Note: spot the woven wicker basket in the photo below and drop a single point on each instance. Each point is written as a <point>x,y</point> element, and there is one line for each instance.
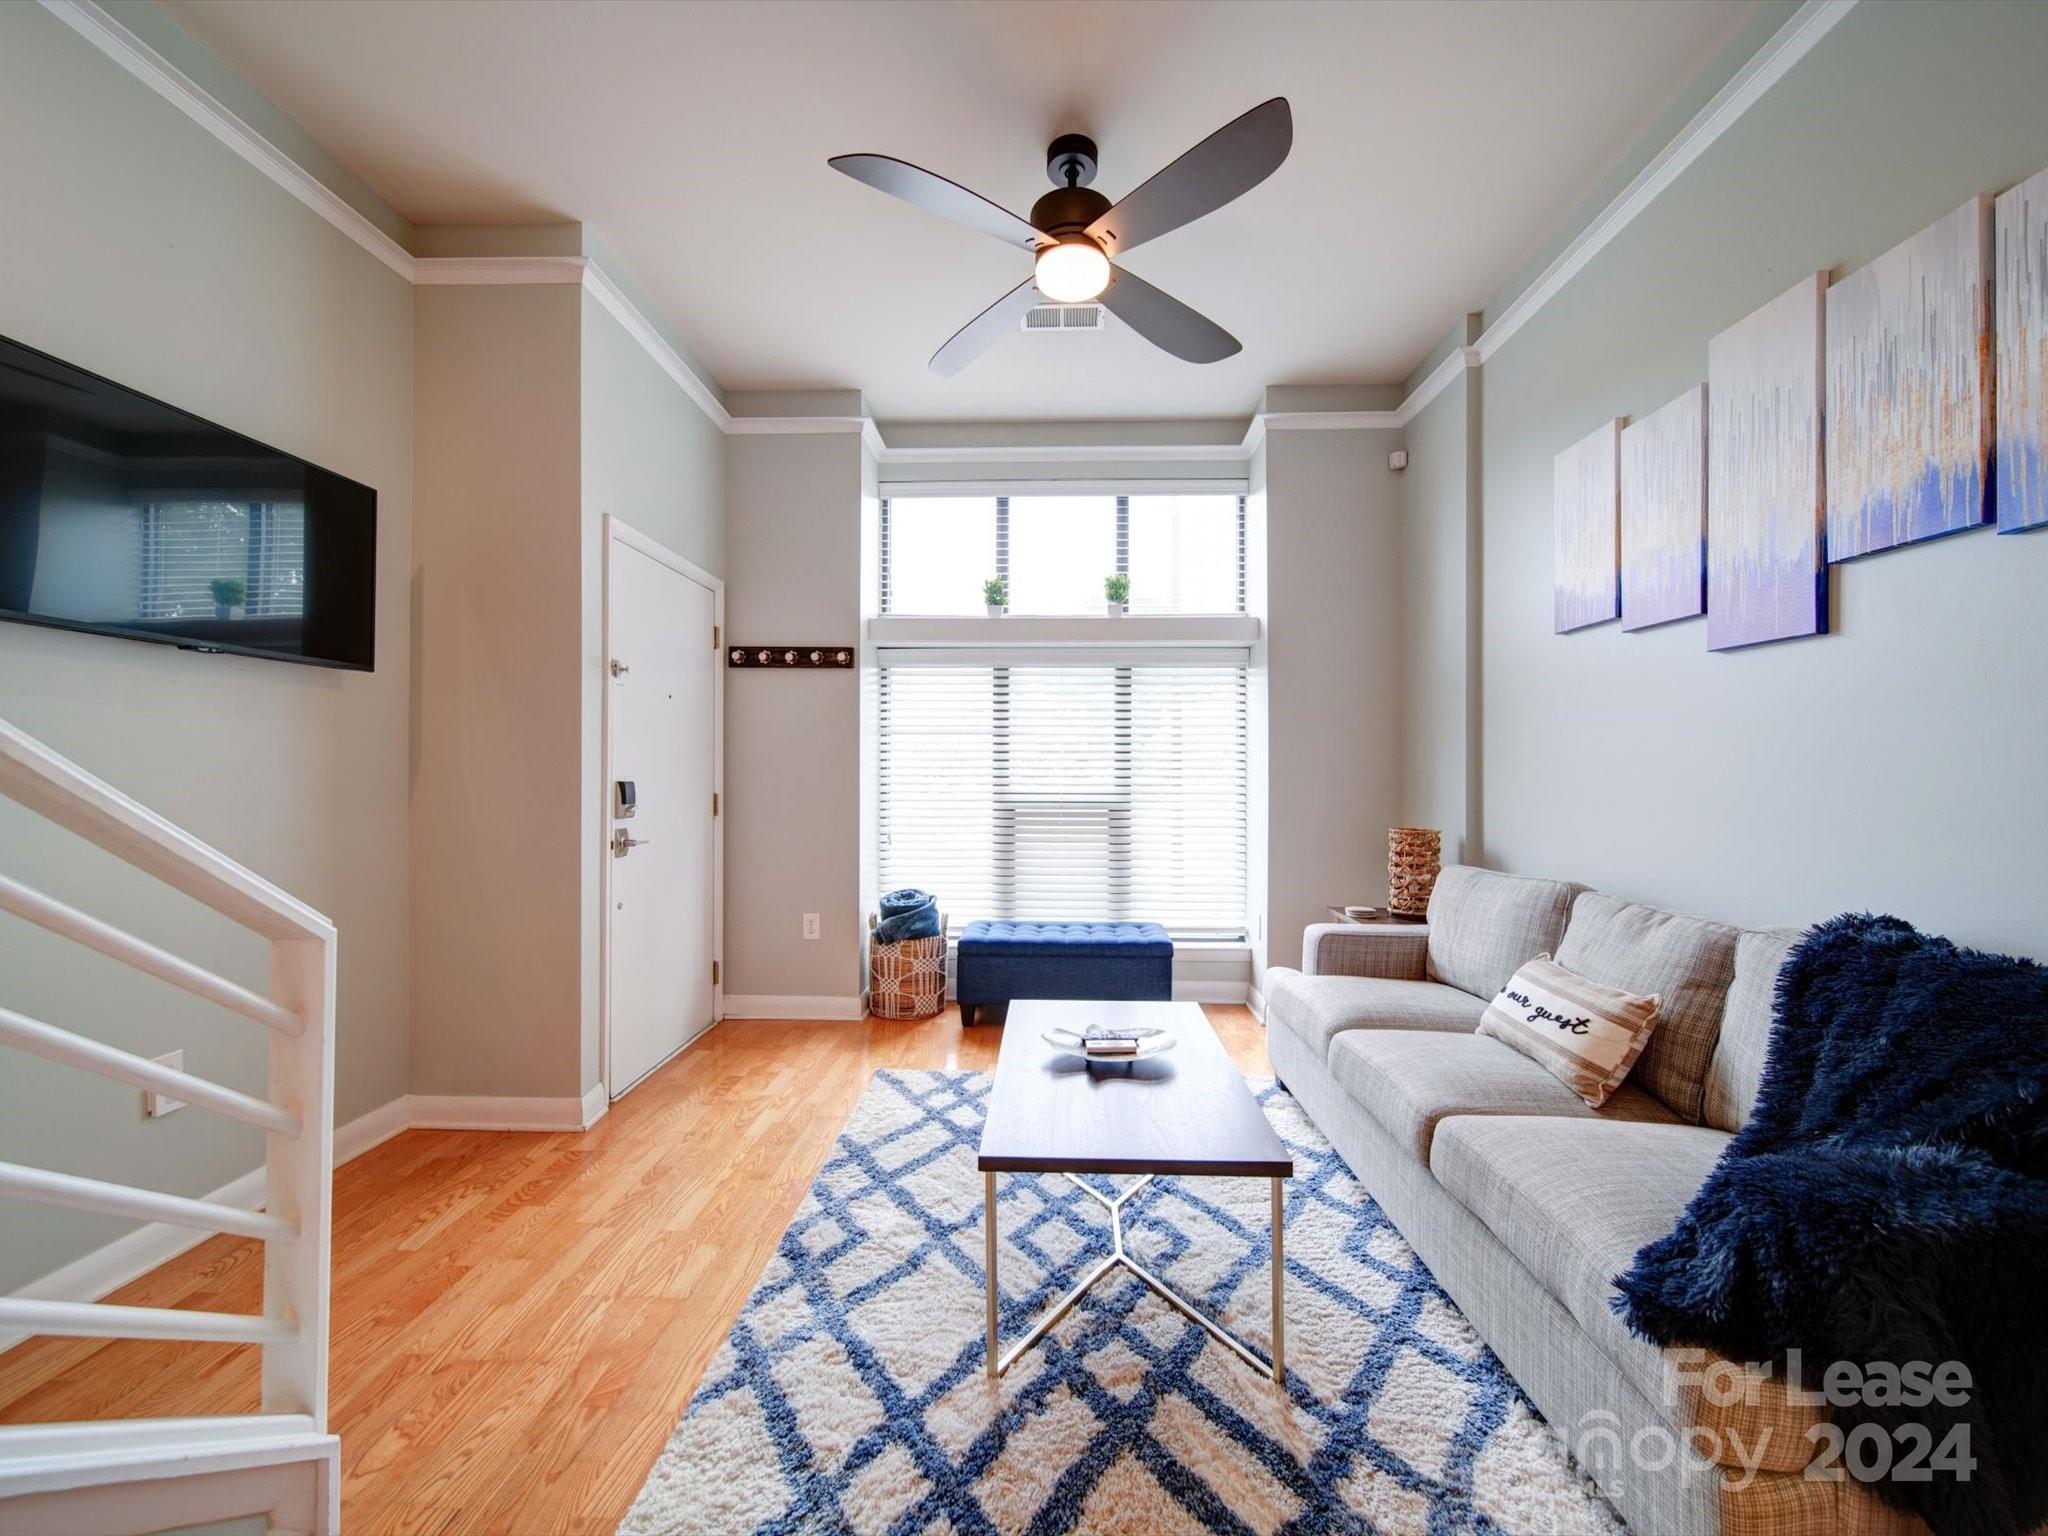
<point>1414,859</point>
<point>907,980</point>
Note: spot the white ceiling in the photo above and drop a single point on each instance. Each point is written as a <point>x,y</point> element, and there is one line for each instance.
<point>1436,144</point>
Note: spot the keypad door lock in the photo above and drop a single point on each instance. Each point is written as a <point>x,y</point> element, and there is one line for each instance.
<point>625,799</point>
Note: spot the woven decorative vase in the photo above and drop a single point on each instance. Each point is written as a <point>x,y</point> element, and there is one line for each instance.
<point>907,980</point>
<point>1414,856</point>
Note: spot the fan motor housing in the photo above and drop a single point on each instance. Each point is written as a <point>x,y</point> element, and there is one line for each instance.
<point>1068,208</point>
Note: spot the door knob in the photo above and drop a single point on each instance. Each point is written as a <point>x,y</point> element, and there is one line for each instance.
<point>624,842</point>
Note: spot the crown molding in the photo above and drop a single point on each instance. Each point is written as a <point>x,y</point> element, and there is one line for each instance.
<point>1763,69</point>
<point>1436,381</point>
<point>1063,453</point>
<point>99,28</point>
<point>599,285</point>
<point>1798,37</point>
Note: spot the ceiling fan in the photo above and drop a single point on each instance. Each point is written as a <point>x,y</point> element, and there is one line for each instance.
<point>1075,232</point>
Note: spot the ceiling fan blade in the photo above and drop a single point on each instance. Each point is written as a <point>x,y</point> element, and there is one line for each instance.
<point>1220,169</point>
<point>982,332</point>
<point>934,194</point>
<point>1166,322</point>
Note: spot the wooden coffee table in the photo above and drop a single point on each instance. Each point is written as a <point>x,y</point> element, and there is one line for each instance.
<point>1184,1112</point>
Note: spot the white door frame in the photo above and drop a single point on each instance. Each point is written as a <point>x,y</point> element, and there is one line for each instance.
<point>625,533</point>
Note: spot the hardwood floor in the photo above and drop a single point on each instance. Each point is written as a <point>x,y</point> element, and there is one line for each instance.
<point>519,1319</point>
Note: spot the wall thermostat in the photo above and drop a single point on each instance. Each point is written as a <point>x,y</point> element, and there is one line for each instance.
<point>1398,459</point>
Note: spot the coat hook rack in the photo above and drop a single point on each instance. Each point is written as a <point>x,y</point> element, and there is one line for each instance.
<point>802,657</point>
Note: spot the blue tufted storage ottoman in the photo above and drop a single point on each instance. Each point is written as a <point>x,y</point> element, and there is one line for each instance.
<point>1000,962</point>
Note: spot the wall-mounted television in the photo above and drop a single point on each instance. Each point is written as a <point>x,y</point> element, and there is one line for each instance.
<point>121,515</point>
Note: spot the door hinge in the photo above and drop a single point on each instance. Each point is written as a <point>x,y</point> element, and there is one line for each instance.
<point>714,637</point>
<point>714,802</point>
<point>714,973</point>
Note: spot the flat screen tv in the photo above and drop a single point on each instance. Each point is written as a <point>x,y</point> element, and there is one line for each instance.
<point>121,515</point>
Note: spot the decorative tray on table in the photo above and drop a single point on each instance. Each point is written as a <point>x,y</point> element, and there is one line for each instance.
<point>1110,1044</point>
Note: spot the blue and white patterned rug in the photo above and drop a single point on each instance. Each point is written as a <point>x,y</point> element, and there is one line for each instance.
<point>851,1395</point>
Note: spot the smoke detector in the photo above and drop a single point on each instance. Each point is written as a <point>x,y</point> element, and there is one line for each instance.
<point>1065,318</point>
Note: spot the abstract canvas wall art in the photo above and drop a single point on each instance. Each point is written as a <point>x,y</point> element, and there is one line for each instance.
<point>1586,530</point>
<point>1664,513</point>
<point>2022,298</point>
<point>1766,579</point>
<point>1909,389</point>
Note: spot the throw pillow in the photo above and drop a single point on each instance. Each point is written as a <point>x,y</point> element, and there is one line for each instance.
<point>1584,1034</point>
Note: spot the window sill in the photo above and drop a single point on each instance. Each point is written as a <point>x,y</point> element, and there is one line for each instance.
<point>1051,632</point>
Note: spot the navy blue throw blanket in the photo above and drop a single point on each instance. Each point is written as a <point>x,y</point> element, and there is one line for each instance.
<point>907,914</point>
<point>1888,1202</point>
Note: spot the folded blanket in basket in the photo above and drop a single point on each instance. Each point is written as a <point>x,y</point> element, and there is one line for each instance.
<point>907,914</point>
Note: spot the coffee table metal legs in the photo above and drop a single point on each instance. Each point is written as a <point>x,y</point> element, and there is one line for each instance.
<point>1279,1280</point>
<point>988,1231</point>
<point>1120,1256</point>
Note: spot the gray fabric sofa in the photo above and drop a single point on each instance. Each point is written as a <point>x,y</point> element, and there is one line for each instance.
<point>1525,1203</point>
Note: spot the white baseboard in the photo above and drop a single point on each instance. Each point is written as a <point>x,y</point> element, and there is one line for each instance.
<point>483,1112</point>
<point>1256,1001</point>
<point>134,1254</point>
<point>351,1141</point>
<point>765,1006</point>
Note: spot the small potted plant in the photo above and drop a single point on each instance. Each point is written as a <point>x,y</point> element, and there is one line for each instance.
<point>996,593</point>
<point>1118,590</point>
<point>228,595</point>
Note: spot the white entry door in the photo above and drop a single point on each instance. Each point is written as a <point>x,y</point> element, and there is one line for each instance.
<point>662,731</point>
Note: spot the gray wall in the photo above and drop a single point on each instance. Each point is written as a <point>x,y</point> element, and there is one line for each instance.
<point>139,248</point>
<point>1438,736</point>
<point>1327,679</point>
<point>792,752</point>
<point>1887,765</point>
<point>652,459</point>
<point>497,835</point>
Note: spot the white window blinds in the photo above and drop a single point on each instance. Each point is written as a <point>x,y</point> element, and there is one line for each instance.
<point>1067,790</point>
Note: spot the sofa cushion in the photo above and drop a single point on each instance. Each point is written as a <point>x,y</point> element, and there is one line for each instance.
<point>1574,1199</point>
<point>1737,1070</point>
<point>1484,924</point>
<point>1686,962</point>
<point>1412,1083</point>
<point>1316,1009</point>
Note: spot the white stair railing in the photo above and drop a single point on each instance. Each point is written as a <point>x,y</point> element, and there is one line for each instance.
<point>143,1475</point>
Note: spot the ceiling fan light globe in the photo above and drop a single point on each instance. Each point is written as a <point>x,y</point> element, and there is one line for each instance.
<point>1073,271</point>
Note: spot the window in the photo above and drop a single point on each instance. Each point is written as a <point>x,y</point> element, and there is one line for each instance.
<point>1066,781</point>
<point>1182,550</point>
<point>940,550</point>
<point>1068,791</point>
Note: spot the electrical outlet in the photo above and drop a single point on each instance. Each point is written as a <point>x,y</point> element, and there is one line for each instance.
<point>811,929</point>
<point>155,1104</point>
